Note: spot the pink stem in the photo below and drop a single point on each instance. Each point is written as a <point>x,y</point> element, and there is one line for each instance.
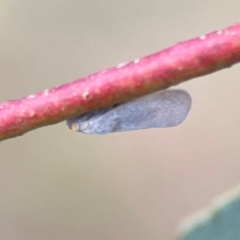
<point>186,60</point>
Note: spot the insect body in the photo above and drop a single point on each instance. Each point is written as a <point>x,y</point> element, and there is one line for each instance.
<point>161,109</point>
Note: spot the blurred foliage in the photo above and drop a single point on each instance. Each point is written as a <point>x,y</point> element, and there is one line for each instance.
<point>221,221</point>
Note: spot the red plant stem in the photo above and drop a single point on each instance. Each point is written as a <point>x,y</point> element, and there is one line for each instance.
<point>186,60</point>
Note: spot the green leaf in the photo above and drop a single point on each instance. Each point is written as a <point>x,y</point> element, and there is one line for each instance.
<point>220,221</point>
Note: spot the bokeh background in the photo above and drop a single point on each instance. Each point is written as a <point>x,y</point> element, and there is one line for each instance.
<point>58,184</point>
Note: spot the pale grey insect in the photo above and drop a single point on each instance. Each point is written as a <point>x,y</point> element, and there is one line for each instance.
<point>161,109</point>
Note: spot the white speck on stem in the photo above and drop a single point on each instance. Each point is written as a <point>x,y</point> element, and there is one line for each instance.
<point>120,65</point>
<point>137,60</point>
<point>31,96</point>
<point>86,95</point>
<point>219,32</point>
<point>46,92</point>
<point>203,37</point>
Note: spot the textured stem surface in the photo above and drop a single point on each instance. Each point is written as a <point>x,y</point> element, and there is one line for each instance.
<point>185,60</point>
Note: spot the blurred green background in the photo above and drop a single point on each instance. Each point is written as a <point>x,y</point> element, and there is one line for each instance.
<point>58,184</point>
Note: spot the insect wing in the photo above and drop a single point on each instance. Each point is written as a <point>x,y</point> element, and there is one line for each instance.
<point>161,109</point>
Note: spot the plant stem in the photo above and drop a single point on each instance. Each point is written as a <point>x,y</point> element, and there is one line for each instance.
<point>184,61</point>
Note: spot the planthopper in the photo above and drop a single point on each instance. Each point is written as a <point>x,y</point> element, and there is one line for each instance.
<point>161,109</point>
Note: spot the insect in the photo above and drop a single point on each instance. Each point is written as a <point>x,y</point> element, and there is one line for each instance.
<point>161,109</point>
